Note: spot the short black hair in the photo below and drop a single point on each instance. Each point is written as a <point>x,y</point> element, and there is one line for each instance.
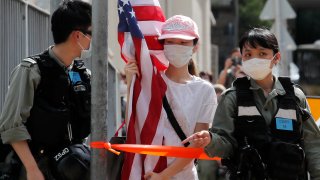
<point>259,37</point>
<point>71,15</point>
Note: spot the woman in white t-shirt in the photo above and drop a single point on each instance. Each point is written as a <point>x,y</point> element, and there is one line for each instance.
<point>192,100</point>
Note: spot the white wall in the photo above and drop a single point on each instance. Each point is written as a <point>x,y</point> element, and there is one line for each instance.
<point>113,44</point>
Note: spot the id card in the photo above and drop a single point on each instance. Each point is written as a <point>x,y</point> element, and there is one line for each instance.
<point>74,76</point>
<point>284,124</point>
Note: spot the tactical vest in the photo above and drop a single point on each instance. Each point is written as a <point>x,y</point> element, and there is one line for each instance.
<point>279,146</point>
<point>61,111</point>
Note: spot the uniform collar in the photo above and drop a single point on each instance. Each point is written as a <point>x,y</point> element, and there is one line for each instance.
<point>53,56</point>
<point>277,87</point>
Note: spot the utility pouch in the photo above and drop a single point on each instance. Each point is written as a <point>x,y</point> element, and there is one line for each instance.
<point>71,163</point>
<point>250,164</point>
<point>286,161</point>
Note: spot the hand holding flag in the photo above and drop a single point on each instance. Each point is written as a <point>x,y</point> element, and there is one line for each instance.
<point>139,26</point>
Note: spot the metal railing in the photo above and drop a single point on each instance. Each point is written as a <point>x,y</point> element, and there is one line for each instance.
<point>24,30</point>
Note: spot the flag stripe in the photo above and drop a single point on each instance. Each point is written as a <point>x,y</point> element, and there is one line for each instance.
<point>155,108</point>
<point>121,42</point>
<point>131,134</point>
<point>153,43</point>
<point>145,2</point>
<point>157,58</point>
<point>149,13</point>
<point>150,27</point>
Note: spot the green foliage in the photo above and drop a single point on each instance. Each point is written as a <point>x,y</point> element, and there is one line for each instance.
<point>249,12</point>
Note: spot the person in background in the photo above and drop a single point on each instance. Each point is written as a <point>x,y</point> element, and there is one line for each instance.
<point>262,127</point>
<point>47,106</point>
<point>206,76</point>
<point>232,69</point>
<point>191,98</point>
<point>219,89</point>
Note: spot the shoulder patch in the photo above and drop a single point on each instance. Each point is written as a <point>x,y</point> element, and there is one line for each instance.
<point>228,90</point>
<point>299,94</point>
<point>28,62</point>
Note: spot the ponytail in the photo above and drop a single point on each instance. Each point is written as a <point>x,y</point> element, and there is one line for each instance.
<point>192,68</point>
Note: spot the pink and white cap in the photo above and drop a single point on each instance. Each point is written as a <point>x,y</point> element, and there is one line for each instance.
<point>181,27</point>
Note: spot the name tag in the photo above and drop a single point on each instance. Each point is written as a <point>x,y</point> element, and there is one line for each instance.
<point>284,124</point>
<point>74,76</point>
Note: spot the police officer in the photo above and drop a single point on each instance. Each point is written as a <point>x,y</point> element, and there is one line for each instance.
<point>47,107</point>
<point>262,127</point>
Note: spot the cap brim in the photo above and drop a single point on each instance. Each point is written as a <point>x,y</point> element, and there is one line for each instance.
<point>178,36</point>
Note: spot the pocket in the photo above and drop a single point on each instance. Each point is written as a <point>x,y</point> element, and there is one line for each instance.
<point>47,125</point>
<point>286,161</point>
<point>72,162</point>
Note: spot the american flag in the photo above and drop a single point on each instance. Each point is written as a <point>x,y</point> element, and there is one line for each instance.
<point>140,23</point>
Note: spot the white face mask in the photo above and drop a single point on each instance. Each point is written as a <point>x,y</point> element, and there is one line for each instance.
<point>178,55</point>
<point>257,68</point>
<point>85,53</point>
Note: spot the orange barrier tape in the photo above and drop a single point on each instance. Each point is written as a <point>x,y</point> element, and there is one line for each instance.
<point>104,145</point>
<point>170,151</point>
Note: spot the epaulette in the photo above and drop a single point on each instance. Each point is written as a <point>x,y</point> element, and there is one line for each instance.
<point>229,90</point>
<point>28,62</point>
<point>299,87</point>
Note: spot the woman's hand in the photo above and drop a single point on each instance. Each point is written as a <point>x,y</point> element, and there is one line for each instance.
<point>155,176</point>
<point>130,69</point>
<point>34,174</point>
<point>200,139</point>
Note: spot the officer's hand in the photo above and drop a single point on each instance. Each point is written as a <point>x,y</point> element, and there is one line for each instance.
<point>130,69</point>
<point>35,174</point>
<point>199,139</point>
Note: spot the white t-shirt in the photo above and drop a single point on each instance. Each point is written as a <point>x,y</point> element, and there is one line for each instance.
<point>191,103</point>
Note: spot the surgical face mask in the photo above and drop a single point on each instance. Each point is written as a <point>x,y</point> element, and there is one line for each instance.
<point>257,68</point>
<point>178,55</point>
<point>85,53</point>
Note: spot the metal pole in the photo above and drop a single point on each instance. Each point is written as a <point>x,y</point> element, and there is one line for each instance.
<point>283,65</point>
<point>99,87</point>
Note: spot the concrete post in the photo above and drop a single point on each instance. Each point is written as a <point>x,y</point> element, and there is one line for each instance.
<point>99,104</point>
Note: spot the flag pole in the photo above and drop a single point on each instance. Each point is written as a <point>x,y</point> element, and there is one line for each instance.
<point>99,110</point>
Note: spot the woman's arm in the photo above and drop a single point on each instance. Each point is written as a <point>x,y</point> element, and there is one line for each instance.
<point>24,153</point>
<point>223,75</point>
